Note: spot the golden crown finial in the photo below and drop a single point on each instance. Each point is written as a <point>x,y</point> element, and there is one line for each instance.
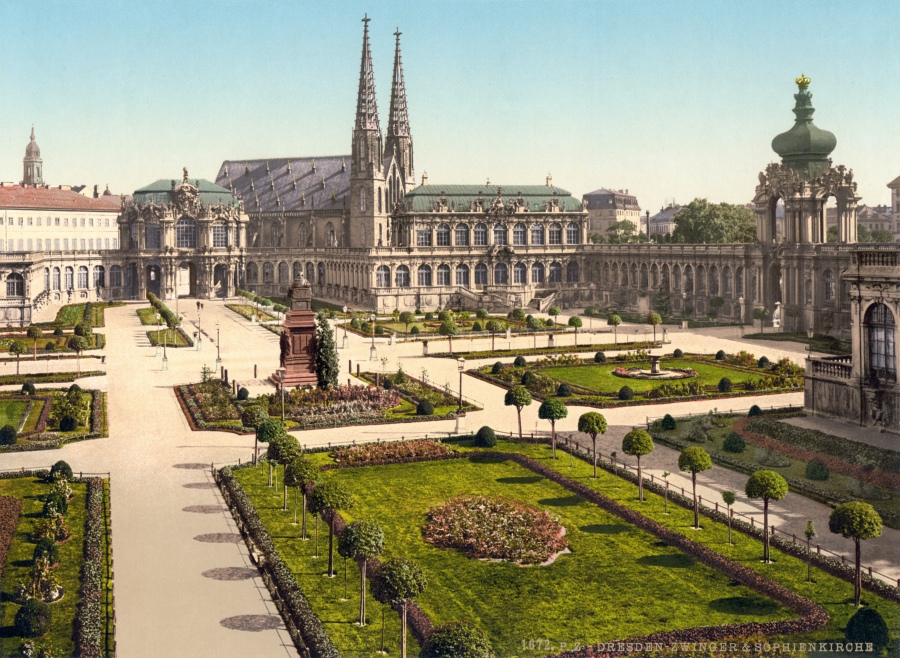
<point>802,81</point>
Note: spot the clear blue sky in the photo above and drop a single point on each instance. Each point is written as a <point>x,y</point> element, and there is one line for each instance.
<point>668,99</point>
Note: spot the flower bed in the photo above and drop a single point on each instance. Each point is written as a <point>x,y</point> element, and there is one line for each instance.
<point>248,311</point>
<point>170,338</point>
<point>415,390</point>
<point>49,378</point>
<point>495,529</point>
<point>336,406</point>
<point>89,620</point>
<point>10,511</point>
<point>394,452</point>
<point>664,374</point>
<point>540,351</point>
<point>47,440</point>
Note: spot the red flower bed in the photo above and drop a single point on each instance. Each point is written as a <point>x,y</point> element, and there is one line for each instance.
<point>10,511</point>
<point>495,528</point>
<point>394,452</point>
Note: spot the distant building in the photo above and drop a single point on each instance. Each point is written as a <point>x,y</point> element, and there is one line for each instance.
<point>663,222</point>
<point>872,218</point>
<point>606,207</point>
<point>894,185</point>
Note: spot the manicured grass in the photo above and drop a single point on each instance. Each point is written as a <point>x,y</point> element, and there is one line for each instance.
<point>148,316</point>
<point>819,342</point>
<point>168,337</point>
<point>19,562</point>
<point>11,412</point>
<point>95,341</point>
<point>248,311</point>
<point>70,314</point>
<point>618,582</point>
<point>600,377</point>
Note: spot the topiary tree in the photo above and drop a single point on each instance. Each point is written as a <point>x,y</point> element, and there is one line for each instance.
<point>592,423</point>
<point>767,485</point>
<point>729,497</point>
<point>553,410</point>
<point>760,313</point>
<point>361,540</point>
<point>494,327</point>
<point>528,378</point>
<point>564,390</point>
<point>17,349</point>
<point>46,548</point>
<point>60,469</point>
<point>678,353</point>
<point>638,443</point>
<point>694,459</point>
<point>8,435</point>
<point>855,520</point>
<point>626,393</point>
<point>496,368</point>
<point>816,470</point>
<point>301,473</point>
<point>755,411</point>
<point>517,314</point>
<point>810,532</point>
<point>58,332</point>
<point>407,319</point>
<point>267,429</point>
<point>668,423</point>
<point>445,316</point>
<point>482,314</point>
<point>50,346</point>
<point>327,366</point>
<point>243,394</point>
<point>614,321</point>
<point>400,581</point>
<point>485,438</point>
<point>763,362</point>
<point>83,329</point>
<point>283,448</point>
<point>734,442</point>
<point>576,323</point>
<point>476,326</point>
<point>720,355</point>
<point>725,385</point>
<point>33,619</point>
<point>458,640</point>
<point>600,357</point>
<point>654,319</point>
<point>518,397</point>
<point>68,423</point>
<point>28,388</point>
<point>76,343</point>
<point>424,408</point>
<point>34,333</point>
<point>448,328</point>
<point>74,388</point>
<point>326,499</point>
<point>867,626</point>
<point>520,362</point>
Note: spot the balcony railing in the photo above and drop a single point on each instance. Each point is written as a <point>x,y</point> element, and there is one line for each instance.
<point>840,367</point>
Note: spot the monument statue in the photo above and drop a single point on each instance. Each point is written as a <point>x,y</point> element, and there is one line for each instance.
<point>298,338</point>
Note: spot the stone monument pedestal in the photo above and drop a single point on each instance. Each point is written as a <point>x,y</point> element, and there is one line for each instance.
<point>654,365</point>
<point>298,339</point>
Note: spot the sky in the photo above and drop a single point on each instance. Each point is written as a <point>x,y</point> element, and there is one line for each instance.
<point>671,100</point>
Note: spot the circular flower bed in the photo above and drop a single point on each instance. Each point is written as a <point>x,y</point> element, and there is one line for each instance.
<point>669,373</point>
<point>495,528</point>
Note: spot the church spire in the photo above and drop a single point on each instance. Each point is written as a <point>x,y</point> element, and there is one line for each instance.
<point>399,119</point>
<point>366,105</point>
<point>33,166</point>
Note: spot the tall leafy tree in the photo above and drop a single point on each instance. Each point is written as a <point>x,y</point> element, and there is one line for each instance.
<point>362,540</point>
<point>282,450</point>
<point>575,322</point>
<point>326,500</point>
<point>767,485</point>
<point>448,328</point>
<point>810,532</point>
<point>592,424</point>
<point>621,232</point>
<point>407,318</point>
<point>301,474</point>
<point>857,521</point>
<point>614,321</point>
<point>400,581</point>
<point>638,443</point>
<point>267,429</point>
<point>729,498</point>
<point>552,409</point>
<point>327,366</point>
<point>554,312</point>
<point>654,319</point>
<point>703,222</point>
<point>34,333</point>
<point>694,459</point>
<point>482,314</point>
<point>761,313</point>
<point>17,349</point>
<point>493,326</point>
<point>77,343</point>
<point>518,397</point>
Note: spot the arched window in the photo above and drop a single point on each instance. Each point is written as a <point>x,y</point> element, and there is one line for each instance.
<point>115,276</point>
<point>537,273</point>
<point>82,277</point>
<point>220,236</point>
<point>676,278</point>
<point>424,275</point>
<point>520,273</point>
<point>572,272</point>
<point>537,234</point>
<point>252,273</point>
<point>186,233</point>
<point>501,274</point>
<point>321,274</point>
<point>807,292</point>
<point>443,235</point>
<point>462,274</point>
<point>623,276</point>
<point>56,278</point>
<point>362,200</point>
<point>462,235</point>
<point>383,276</point>
<point>654,276</point>
<point>15,285</point>
<point>701,280</point>
<point>500,237</point>
<point>379,199</point>
<point>443,275</point>
<point>713,280</point>
<point>739,281</point>
<point>310,272</point>
<point>152,236</point>
<point>555,234</point>
<point>689,279</point>
<point>480,235</point>
<point>881,335</point>
<point>268,273</point>
<point>481,274</point>
<point>99,278</point>
<point>555,273</point>
<point>828,280</point>
<point>519,232</point>
<point>283,272</point>
<point>46,278</point>
<point>726,281</point>
<point>402,277</point>
<point>572,234</point>
<point>297,269</point>
<point>330,239</point>
<point>423,237</point>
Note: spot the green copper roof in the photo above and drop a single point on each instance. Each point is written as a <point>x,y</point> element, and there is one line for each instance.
<point>210,193</point>
<point>460,197</point>
<point>805,147</point>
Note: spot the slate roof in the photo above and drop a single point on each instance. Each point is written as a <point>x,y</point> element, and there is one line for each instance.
<point>290,184</point>
<point>54,198</point>
<point>158,192</point>
<point>666,214</point>
<point>895,182</point>
<point>421,198</point>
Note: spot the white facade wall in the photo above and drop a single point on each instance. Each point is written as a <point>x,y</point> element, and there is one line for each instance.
<point>45,230</point>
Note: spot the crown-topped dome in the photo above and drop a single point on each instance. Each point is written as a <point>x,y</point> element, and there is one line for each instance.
<point>32,150</point>
<point>805,147</point>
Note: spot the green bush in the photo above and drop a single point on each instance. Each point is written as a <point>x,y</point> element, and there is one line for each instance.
<point>379,330</point>
<point>387,384</point>
<point>816,470</point>
<point>725,385</point>
<point>243,394</point>
<point>677,353</point>
<point>520,362</point>
<point>496,368</point>
<point>28,388</point>
<point>763,362</point>
<point>733,443</point>
<point>46,548</point>
<point>458,640</point>
<point>445,316</point>
<point>600,357</point>
<point>755,410</point>
<point>7,435</point>
<point>253,416</point>
<point>414,331</point>
<point>720,355</point>
<point>668,423</point>
<point>58,502</point>
<point>354,323</point>
<point>548,322</point>
<point>365,327</point>
<point>50,347</point>
<point>424,408</point>
<point>83,329</point>
<point>33,619</point>
<point>476,326</point>
<point>59,332</point>
<point>429,316</point>
<point>625,393</point>
<point>564,390</point>
<point>867,625</point>
<point>74,387</point>
<point>485,438</point>
<point>61,468</point>
<point>527,379</point>
<point>68,424</point>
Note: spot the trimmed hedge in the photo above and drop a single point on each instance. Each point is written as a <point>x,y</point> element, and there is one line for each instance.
<point>626,393</point>
<point>725,385</point>
<point>33,619</point>
<point>668,423</point>
<point>520,362</point>
<point>816,470</point>
<point>600,357</point>
<point>485,438</point>
<point>424,408</point>
<point>89,622</point>
<point>734,443</point>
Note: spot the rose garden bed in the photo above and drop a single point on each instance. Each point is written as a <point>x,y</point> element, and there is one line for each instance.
<point>40,429</point>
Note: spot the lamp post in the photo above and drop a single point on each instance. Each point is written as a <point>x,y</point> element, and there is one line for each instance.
<point>683,309</point>
<point>199,330</point>
<point>165,362</point>
<point>218,348</point>
<point>346,342</point>
<point>809,334</point>
<point>158,326</point>
<point>282,372</point>
<point>741,311</point>
<point>461,364</point>
<point>373,353</point>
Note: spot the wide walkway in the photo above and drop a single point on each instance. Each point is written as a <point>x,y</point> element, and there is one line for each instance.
<point>183,586</point>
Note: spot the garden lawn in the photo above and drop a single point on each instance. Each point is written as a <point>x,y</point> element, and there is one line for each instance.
<point>30,490</point>
<point>12,411</point>
<point>95,341</point>
<point>168,337</point>
<point>248,310</point>
<point>618,582</point>
<point>600,377</point>
<point>148,315</point>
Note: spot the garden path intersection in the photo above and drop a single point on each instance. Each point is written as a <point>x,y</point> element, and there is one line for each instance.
<point>184,584</point>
